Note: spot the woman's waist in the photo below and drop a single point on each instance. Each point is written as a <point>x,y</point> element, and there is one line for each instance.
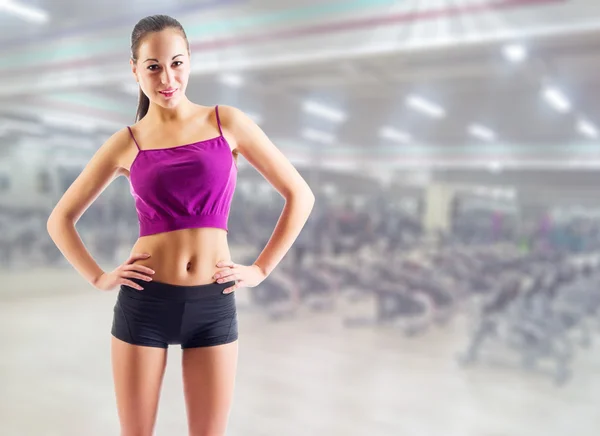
<point>187,257</point>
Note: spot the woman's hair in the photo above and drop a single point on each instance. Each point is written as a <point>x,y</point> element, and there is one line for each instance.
<point>153,23</point>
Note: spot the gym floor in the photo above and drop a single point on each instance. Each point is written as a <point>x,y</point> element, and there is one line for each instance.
<point>305,376</point>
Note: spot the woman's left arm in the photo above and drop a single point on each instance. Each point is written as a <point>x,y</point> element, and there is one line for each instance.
<point>262,154</point>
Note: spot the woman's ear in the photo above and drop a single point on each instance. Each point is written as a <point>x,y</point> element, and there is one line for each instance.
<point>133,69</point>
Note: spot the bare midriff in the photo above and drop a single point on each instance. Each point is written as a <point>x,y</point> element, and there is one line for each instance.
<point>184,257</point>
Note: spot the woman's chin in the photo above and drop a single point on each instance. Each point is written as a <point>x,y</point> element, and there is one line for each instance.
<point>167,104</point>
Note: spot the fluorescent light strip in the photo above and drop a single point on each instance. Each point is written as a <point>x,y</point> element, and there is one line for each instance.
<point>387,132</point>
<point>70,122</point>
<point>499,192</point>
<point>424,106</point>
<point>586,128</point>
<point>318,135</point>
<point>70,141</point>
<point>320,110</point>
<point>131,88</point>
<point>556,99</point>
<point>22,126</point>
<point>27,13</point>
<point>495,167</point>
<point>514,52</point>
<point>233,80</point>
<point>482,132</point>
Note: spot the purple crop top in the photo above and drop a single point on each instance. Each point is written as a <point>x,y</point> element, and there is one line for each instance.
<point>183,187</point>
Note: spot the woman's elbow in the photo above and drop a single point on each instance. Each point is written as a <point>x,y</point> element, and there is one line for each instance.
<point>311,197</point>
<point>55,221</point>
<point>51,223</point>
<point>299,193</point>
<point>306,196</point>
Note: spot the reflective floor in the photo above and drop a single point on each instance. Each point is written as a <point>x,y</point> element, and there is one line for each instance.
<point>305,376</point>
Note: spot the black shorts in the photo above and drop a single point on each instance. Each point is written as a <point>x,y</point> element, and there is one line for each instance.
<point>162,314</point>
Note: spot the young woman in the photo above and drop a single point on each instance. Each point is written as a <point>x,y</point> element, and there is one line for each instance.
<point>176,287</point>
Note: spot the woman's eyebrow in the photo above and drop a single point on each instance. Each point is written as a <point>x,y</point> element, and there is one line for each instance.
<point>156,60</point>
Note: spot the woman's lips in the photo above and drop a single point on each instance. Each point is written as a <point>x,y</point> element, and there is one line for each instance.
<point>168,93</point>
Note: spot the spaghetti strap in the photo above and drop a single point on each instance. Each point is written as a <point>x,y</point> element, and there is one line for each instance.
<point>218,120</point>
<point>131,133</point>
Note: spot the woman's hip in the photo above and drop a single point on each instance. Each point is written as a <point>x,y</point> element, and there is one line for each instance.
<point>163,314</point>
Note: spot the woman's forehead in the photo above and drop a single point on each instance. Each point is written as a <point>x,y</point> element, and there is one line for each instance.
<point>163,44</point>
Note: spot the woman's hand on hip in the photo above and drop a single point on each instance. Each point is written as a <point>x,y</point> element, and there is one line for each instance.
<point>122,274</point>
<point>245,276</point>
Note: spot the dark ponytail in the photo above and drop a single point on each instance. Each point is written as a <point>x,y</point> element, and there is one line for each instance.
<point>143,105</point>
<point>153,23</point>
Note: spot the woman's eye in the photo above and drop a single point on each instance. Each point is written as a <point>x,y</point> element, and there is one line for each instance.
<point>151,67</point>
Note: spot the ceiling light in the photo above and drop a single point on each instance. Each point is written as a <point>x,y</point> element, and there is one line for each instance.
<point>318,135</point>
<point>482,132</point>
<point>481,190</point>
<point>495,167</point>
<point>514,52</point>
<point>556,99</point>
<point>387,132</point>
<point>586,128</point>
<point>424,106</point>
<point>233,80</point>
<point>320,110</point>
<point>329,189</point>
<point>27,13</point>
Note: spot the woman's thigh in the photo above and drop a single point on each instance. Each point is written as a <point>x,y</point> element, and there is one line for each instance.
<point>138,374</point>
<point>209,379</point>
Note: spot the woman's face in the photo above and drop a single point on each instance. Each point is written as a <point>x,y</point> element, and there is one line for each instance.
<point>163,67</point>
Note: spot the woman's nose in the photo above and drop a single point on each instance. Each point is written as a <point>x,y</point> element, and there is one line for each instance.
<point>166,76</point>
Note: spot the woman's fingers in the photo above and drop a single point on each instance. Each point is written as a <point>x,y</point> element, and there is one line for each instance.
<point>230,289</point>
<point>131,284</point>
<point>139,268</point>
<point>225,263</point>
<point>135,275</point>
<point>226,274</point>
<point>137,256</point>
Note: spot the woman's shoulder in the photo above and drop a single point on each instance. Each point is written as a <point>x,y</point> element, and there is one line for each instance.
<point>228,111</point>
<point>118,146</point>
<point>119,139</point>
<point>232,117</point>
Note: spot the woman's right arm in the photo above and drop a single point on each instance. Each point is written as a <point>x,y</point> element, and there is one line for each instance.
<point>100,171</point>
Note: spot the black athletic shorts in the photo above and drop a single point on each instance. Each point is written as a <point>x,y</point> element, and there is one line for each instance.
<point>162,314</point>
